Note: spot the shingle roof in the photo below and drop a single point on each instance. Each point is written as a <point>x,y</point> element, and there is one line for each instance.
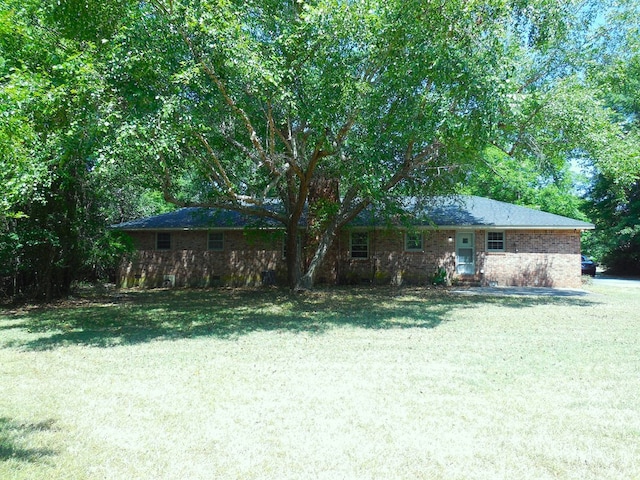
<point>455,211</point>
<point>472,211</point>
<point>194,218</point>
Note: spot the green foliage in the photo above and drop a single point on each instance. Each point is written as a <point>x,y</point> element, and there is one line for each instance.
<point>51,111</point>
<point>231,103</point>
<point>522,181</point>
<point>616,241</point>
<point>615,192</point>
<point>440,277</point>
<point>88,20</point>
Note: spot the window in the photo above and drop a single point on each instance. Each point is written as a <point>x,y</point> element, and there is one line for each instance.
<point>359,245</point>
<point>163,241</point>
<point>413,242</point>
<point>495,241</point>
<point>216,241</point>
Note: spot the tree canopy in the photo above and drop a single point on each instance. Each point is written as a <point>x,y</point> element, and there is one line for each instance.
<point>234,104</point>
<point>327,105</point>
<point>614,197</point>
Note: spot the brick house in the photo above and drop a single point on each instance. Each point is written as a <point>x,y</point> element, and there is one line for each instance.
<point>466,239</point>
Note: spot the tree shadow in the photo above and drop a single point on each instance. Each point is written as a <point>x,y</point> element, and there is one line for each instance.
<point>13,436</point>
<point>133,317</point>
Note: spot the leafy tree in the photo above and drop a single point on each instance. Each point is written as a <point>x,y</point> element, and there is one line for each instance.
<point>556,121</point>
<point>521,181</point>
<point>616,241</point>
<point>51,229</point>
<point>615,194</point>
<point>556,132</point>
<point>234,104</point>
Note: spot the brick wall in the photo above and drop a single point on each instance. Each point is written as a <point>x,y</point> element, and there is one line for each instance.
<point>547,258</point>
<point>388,261</point>
<point>243,260</point>
<point>531,258</point>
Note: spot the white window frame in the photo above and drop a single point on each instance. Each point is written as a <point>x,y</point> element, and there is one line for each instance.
<point>489,241</point>
<point>416,236</point>
<point>168,237</point>
<point>360,245</point>
<point>220,241</point>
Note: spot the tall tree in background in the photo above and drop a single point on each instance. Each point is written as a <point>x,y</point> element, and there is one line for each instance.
<point>51,105</point>
<point>557,123</point>
<point>615,193</point>
<point>235,104</point>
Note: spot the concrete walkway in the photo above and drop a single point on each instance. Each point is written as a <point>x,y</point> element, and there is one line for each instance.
<point>523,291</point>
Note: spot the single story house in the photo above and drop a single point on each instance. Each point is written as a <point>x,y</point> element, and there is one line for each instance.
<point>466,239</point>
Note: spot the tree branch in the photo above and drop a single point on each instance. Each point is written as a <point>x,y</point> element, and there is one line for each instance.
<point>238,203</point>
<point>344,131</point>
<point>221,173</point>
<point>272,129</point>
<point>231,103</point>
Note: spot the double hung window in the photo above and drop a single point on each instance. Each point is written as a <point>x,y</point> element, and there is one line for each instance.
<point>495,241</point>
<point>163,241</point>
<point>216,241</point>
<point>359,245</point>
<point>413,241</point>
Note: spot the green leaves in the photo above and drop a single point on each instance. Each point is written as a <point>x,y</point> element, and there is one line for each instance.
<point>232,103</point>
<point>87,20</point>
<point>54,109</point>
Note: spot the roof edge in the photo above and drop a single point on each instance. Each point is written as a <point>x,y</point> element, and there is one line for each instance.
<point>589,226</point>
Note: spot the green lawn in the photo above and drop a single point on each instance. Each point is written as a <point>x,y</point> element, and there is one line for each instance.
<point>353,384</point>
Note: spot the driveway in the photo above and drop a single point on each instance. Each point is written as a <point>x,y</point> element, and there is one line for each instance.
<point>611,281</point>
<point>598,280</point>
<point>523,291</point>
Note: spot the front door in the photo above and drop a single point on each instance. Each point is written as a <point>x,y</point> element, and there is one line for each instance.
<point>465,254</point>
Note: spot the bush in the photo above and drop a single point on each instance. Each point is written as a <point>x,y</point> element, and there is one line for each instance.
<point>440,277</point>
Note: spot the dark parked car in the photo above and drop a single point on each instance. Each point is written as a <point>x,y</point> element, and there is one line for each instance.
<point>588,266</point>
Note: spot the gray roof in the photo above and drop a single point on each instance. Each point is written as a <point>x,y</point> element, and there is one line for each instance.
<point>462,211</point>
<point>472,211</point>
<point>196,218</point>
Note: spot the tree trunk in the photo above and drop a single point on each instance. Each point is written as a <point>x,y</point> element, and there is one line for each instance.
<point>308,279</point>
<point>323,196</point>
<point>294,261</point>
<point>347,211</point>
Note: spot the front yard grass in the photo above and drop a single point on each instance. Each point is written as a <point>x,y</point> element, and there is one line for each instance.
<point>340,383</point>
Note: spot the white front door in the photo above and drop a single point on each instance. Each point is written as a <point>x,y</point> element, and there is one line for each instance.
<point>465,254</point>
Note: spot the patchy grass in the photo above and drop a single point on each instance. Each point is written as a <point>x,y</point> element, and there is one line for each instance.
<point>352,383</point>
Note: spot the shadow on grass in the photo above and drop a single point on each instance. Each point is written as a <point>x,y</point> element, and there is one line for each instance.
<point>14,435</point>
<point>135,317</point>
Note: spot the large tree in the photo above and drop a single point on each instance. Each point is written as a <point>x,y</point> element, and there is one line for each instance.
<point>615,193</point>
<point>52,218</point>
<point>274,107</point>
<point>233,104</point>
